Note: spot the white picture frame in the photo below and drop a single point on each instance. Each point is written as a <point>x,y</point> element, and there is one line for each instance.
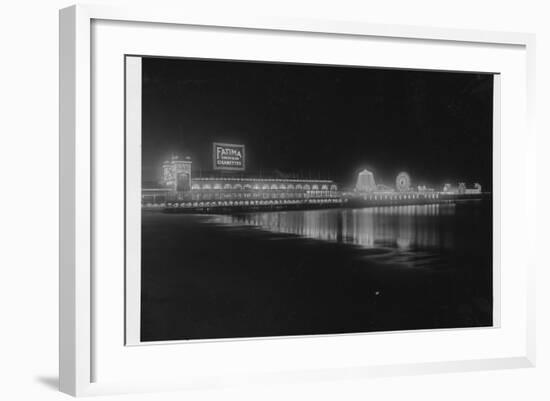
<point>82,343</point>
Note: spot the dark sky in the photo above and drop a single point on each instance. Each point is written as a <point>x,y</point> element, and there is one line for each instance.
<point>320,121</point>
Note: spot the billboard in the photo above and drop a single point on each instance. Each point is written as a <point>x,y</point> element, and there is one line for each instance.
<point>228,156</point>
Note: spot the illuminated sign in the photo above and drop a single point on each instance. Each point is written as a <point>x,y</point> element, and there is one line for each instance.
<point>227,156</point>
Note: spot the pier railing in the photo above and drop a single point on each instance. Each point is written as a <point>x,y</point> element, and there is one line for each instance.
<point>340,200</point>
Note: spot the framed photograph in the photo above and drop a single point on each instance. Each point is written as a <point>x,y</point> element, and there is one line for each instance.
<point>273,200</point>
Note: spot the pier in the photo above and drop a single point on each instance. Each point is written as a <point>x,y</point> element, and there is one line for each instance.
<point>182,192</point>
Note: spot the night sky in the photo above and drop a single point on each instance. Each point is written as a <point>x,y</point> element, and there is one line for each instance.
<point>320,121</point>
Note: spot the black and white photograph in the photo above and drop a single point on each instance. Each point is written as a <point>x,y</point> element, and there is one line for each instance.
<point>282,199</point>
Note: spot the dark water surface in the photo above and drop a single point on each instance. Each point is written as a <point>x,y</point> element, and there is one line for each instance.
<point>316,271</point>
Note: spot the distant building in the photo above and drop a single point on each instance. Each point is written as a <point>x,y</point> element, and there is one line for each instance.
<point>475,190</point>
<point>448,188</point>
<point>365,182</point>
<point>461,189</point>
<point>424,188</point>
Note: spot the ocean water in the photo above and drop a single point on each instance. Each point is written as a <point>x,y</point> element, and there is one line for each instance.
<point>316,271</point>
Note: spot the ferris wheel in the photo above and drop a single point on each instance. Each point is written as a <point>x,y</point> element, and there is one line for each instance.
<point>403,182</point>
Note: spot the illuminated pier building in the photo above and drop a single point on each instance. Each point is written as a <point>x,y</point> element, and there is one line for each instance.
<point>228,187</point>
<point>365,182</point>
<point>179,188</point>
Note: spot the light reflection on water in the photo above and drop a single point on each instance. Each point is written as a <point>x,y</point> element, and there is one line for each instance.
<point>399,227</point>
